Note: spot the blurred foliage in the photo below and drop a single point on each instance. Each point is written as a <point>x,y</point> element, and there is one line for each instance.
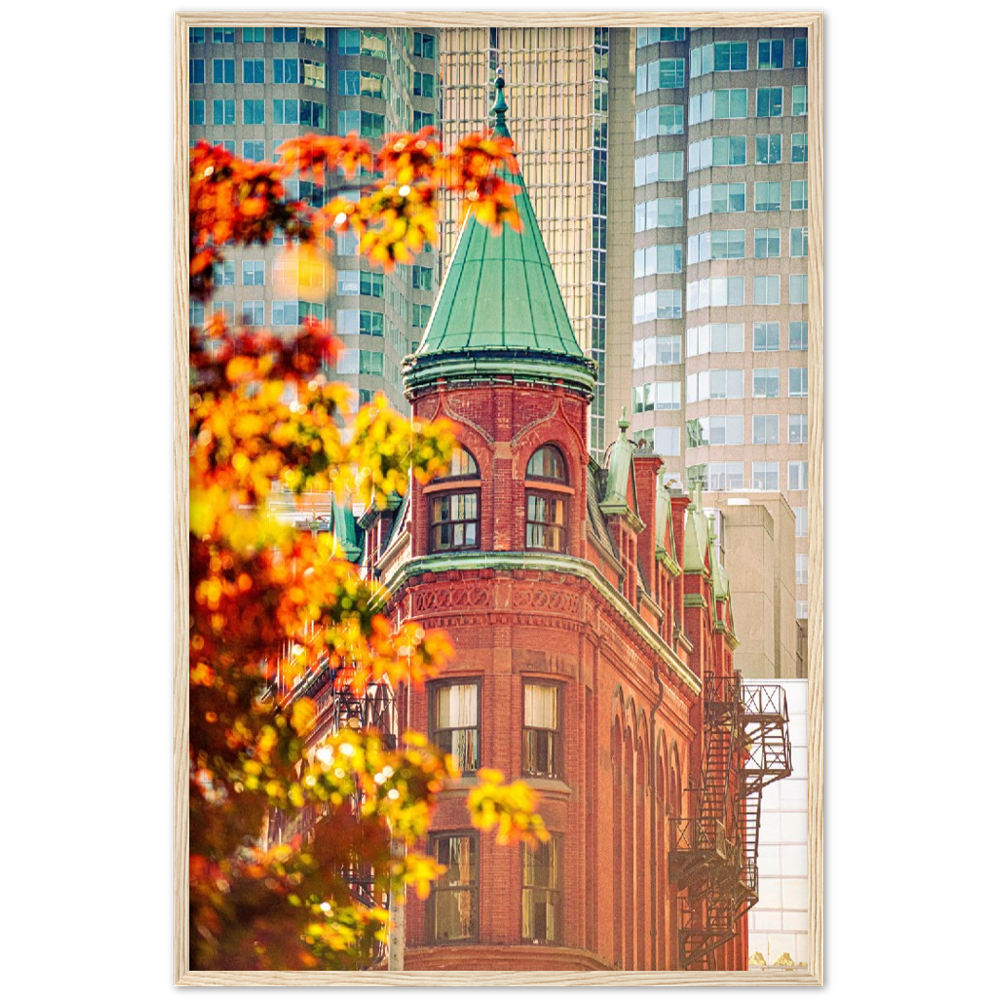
<point>269,604</point>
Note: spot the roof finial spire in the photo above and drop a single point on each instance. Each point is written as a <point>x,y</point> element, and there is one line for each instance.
<point>500,107</point>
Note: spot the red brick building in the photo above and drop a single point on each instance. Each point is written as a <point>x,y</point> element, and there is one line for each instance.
<point>594,635</point>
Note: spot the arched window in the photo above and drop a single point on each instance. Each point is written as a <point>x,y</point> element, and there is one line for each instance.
<point>454,513</point>
<point>547,500</point>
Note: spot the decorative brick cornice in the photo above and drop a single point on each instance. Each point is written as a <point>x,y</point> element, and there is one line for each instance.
<point>546,563</point>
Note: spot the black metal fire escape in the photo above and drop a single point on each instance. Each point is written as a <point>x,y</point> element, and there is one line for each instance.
<point>340,707</point>
<point>745,746</point>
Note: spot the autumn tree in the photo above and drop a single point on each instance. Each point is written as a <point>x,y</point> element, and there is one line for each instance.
<point>262,411</point>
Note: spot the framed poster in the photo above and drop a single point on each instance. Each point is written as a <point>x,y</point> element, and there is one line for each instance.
<point>763,150</point>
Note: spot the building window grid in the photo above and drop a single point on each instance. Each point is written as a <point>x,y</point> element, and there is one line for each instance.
<point>454,901</point>
<point>540,893</point>
<point>540,737</point>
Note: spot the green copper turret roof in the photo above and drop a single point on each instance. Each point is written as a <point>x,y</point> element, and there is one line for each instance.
<point>695,536</point>
<point>345,530</point>
<point>499,311</point>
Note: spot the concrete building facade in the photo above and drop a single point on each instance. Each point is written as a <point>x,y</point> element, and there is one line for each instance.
<point>694,220</point>
<point>253,88</point>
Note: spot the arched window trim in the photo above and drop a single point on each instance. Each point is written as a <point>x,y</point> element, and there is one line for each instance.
<point>547,504</point>
<point>554,448</point>
<point>451,477</point>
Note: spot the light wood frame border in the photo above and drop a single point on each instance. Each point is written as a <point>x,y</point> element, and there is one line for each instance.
<point>814,974</point>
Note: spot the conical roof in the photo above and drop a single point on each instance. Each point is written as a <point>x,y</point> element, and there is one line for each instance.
<point>499,310</point>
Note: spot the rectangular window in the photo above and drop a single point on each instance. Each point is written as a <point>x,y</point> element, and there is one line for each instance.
<point>765,383</point>
<point>771,53</point>
<point>725,476</point>
<point>286,70</point>
<point>798,381</point>
<point>767,290</point>
<point>769,102</point>
<point>801,523</point>
<point>421,277</point>
<point>800,147</point>
<point>223,71</point>
<point>220,36</point>
<point>349,82</point>
<point>799,198</point>
<point>798,475</point>
<point>372,363</point>
<point>656,260</point>
<point>767,243</point>
<point>196,36</point>
<point>454,902</point>
<point>667,441</point>
<point>373,43</point>
<point>196,314</point>
<point>373,284</point>
<point>223,112</point>
<point>253,70</point>
<point>253,150</point>
<point>801,569</point>
<point>252,313</point>
<point>662,213</point>
<point>455,723</point>
<point>715,338</point>
<point>717,383</point>
<point>252,36</point>
<point>798,289</point>
<point>347,244</point>
<point>728,57</point>
<point>767,196</point>
<point>719,151</point>
<point>798,243</point>
<point>540,742</point>
<point>765,428</point>
<point>728,244</point>
<point>419,315</point>
<point>253,112</point>
<point>659,167</point>
<point>423,84</point>
<point>348,282</point>
<point>800,53</point>
<point>349,41</point>
<point>765,337</point>
<point>224,273</point>
<point>801,609</point>
<point>253,272</point>
<point>313,73</point>
<point>667,119</point>
<point>800,100</point>
<point>798,428</point>
<point>423,45</point>
<point>540,893</point>
<point>730,104</point>
<point>798,336</point>
<point>196,71</point>
<point>768,149</point>
<point>714,431</point>
<point>764,476</point>
<point>372,324</point>
<point>227,310</point>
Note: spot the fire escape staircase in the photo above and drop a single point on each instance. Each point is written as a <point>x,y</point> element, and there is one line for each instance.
<point>745,746</point>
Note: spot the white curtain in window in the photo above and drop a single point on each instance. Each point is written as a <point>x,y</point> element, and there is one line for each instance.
<point>540,706</point>
<point>457,706</point>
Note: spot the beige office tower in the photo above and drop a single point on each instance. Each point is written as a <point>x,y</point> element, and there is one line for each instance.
<point>557,91</point>
<point>670,166</point>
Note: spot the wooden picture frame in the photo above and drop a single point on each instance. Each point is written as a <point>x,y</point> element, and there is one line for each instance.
<point>813,975</point>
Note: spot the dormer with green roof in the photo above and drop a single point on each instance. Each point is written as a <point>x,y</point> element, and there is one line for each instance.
<point>500,312</point>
